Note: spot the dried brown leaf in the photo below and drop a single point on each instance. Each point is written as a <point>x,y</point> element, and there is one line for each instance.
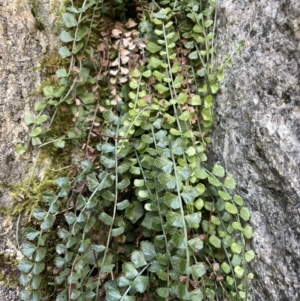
<point>113,81</point>
<point>124,70</point>
<point>115,62</point>
<point>123,79</point>
<point>130,24</point>
<point>114,72</point>
<point>116,33</point>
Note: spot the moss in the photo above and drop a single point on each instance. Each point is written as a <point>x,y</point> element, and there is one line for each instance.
<point>36,14</point>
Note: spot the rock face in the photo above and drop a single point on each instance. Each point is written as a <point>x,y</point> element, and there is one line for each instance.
<point>257,134</point>
<point>22,45</point>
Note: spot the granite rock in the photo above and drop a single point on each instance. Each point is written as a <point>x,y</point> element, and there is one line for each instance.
<point>22,46</point>
<point>257,134</point>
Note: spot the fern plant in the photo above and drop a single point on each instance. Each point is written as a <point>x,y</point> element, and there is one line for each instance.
<point>147,216</point>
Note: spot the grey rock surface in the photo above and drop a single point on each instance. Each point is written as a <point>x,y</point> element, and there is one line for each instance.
<point>257,134</point>
<point>22,45</point>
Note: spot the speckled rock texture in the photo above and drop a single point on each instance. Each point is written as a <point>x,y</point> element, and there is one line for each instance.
<point>257,134</point>
<point>22,45</point>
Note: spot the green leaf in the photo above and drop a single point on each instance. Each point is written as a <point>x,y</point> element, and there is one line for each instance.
<point>138,259</point>
<point>70,217</point>
<point>88,98</point>
<point>113,295</point>
<point>191,151</point>
<point>197,29</point>
<point>129,270</point>
<point>229,281</point>
<point>218,171</point>
<point>25,294</point>
<point>189,194</point>
<point>236,260</point>
<point>177,81</point>
<point>214,182</point>
<point>193,55</point>
<point>238,200</point>
<point>60,73</point>
<point>210,294</point>
<point>39,213</point>
<point>198,270</point>
<point>38,268</point>
<point>24,279</point>
<point>196,244</point>
<point>231,208</point>
<point>147,73</point>
<point>20,149</point>
<point>140,283</point>
<point>63,233</point>
<point>82,32</point>
<point>196,295</point>
<point>164,292</point>
<point>161,89</point>
<point>208,102</point>
<point>214,88</point>
<point>224,195</point>
<point>36,281</point>
<point>199,204</point>
<point>48,222</point>
<point>196,100</point>
<point>236,248</point>
<point>107,268</point>
<point>75,294</point>
<point>215,241</point>
<point>172,200</point>
<point>244,213</point>
<point>110,117</point>
<point>29,119</point>
<point>225,267</point>
<point>248,231</point>
<point>123,281</point>
<point>152,47</point>
<point>36,295</point>
<point>164,164</point>
<point>175,132</point>
<point>168,180</point>
<point>40,254</point>
<point>106,219</point>
<point>123,205</point>
<point>239,271</point>
<point>237,226</point>
<point>229,183</point>
<point>59,143</point>
<point>215,220</point>
<point>117,231</point>
<point>208,23</point>
<point>64,52</point>
<point>182,98</point>
<point>28,249</point>
<point>66,37</point>
<point>35,132</point>
<point>97,248</point>
<point>179,241</point>
<point>183,293</point>
<point>123,184</point>
<point>175,219</point>
<point>69,20</point>
<point>193,220</point>
<point>148,250</point>
<point>249,255</point>
<point>185,173</point>
<point>134,211</point>
<point>155,62</point>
